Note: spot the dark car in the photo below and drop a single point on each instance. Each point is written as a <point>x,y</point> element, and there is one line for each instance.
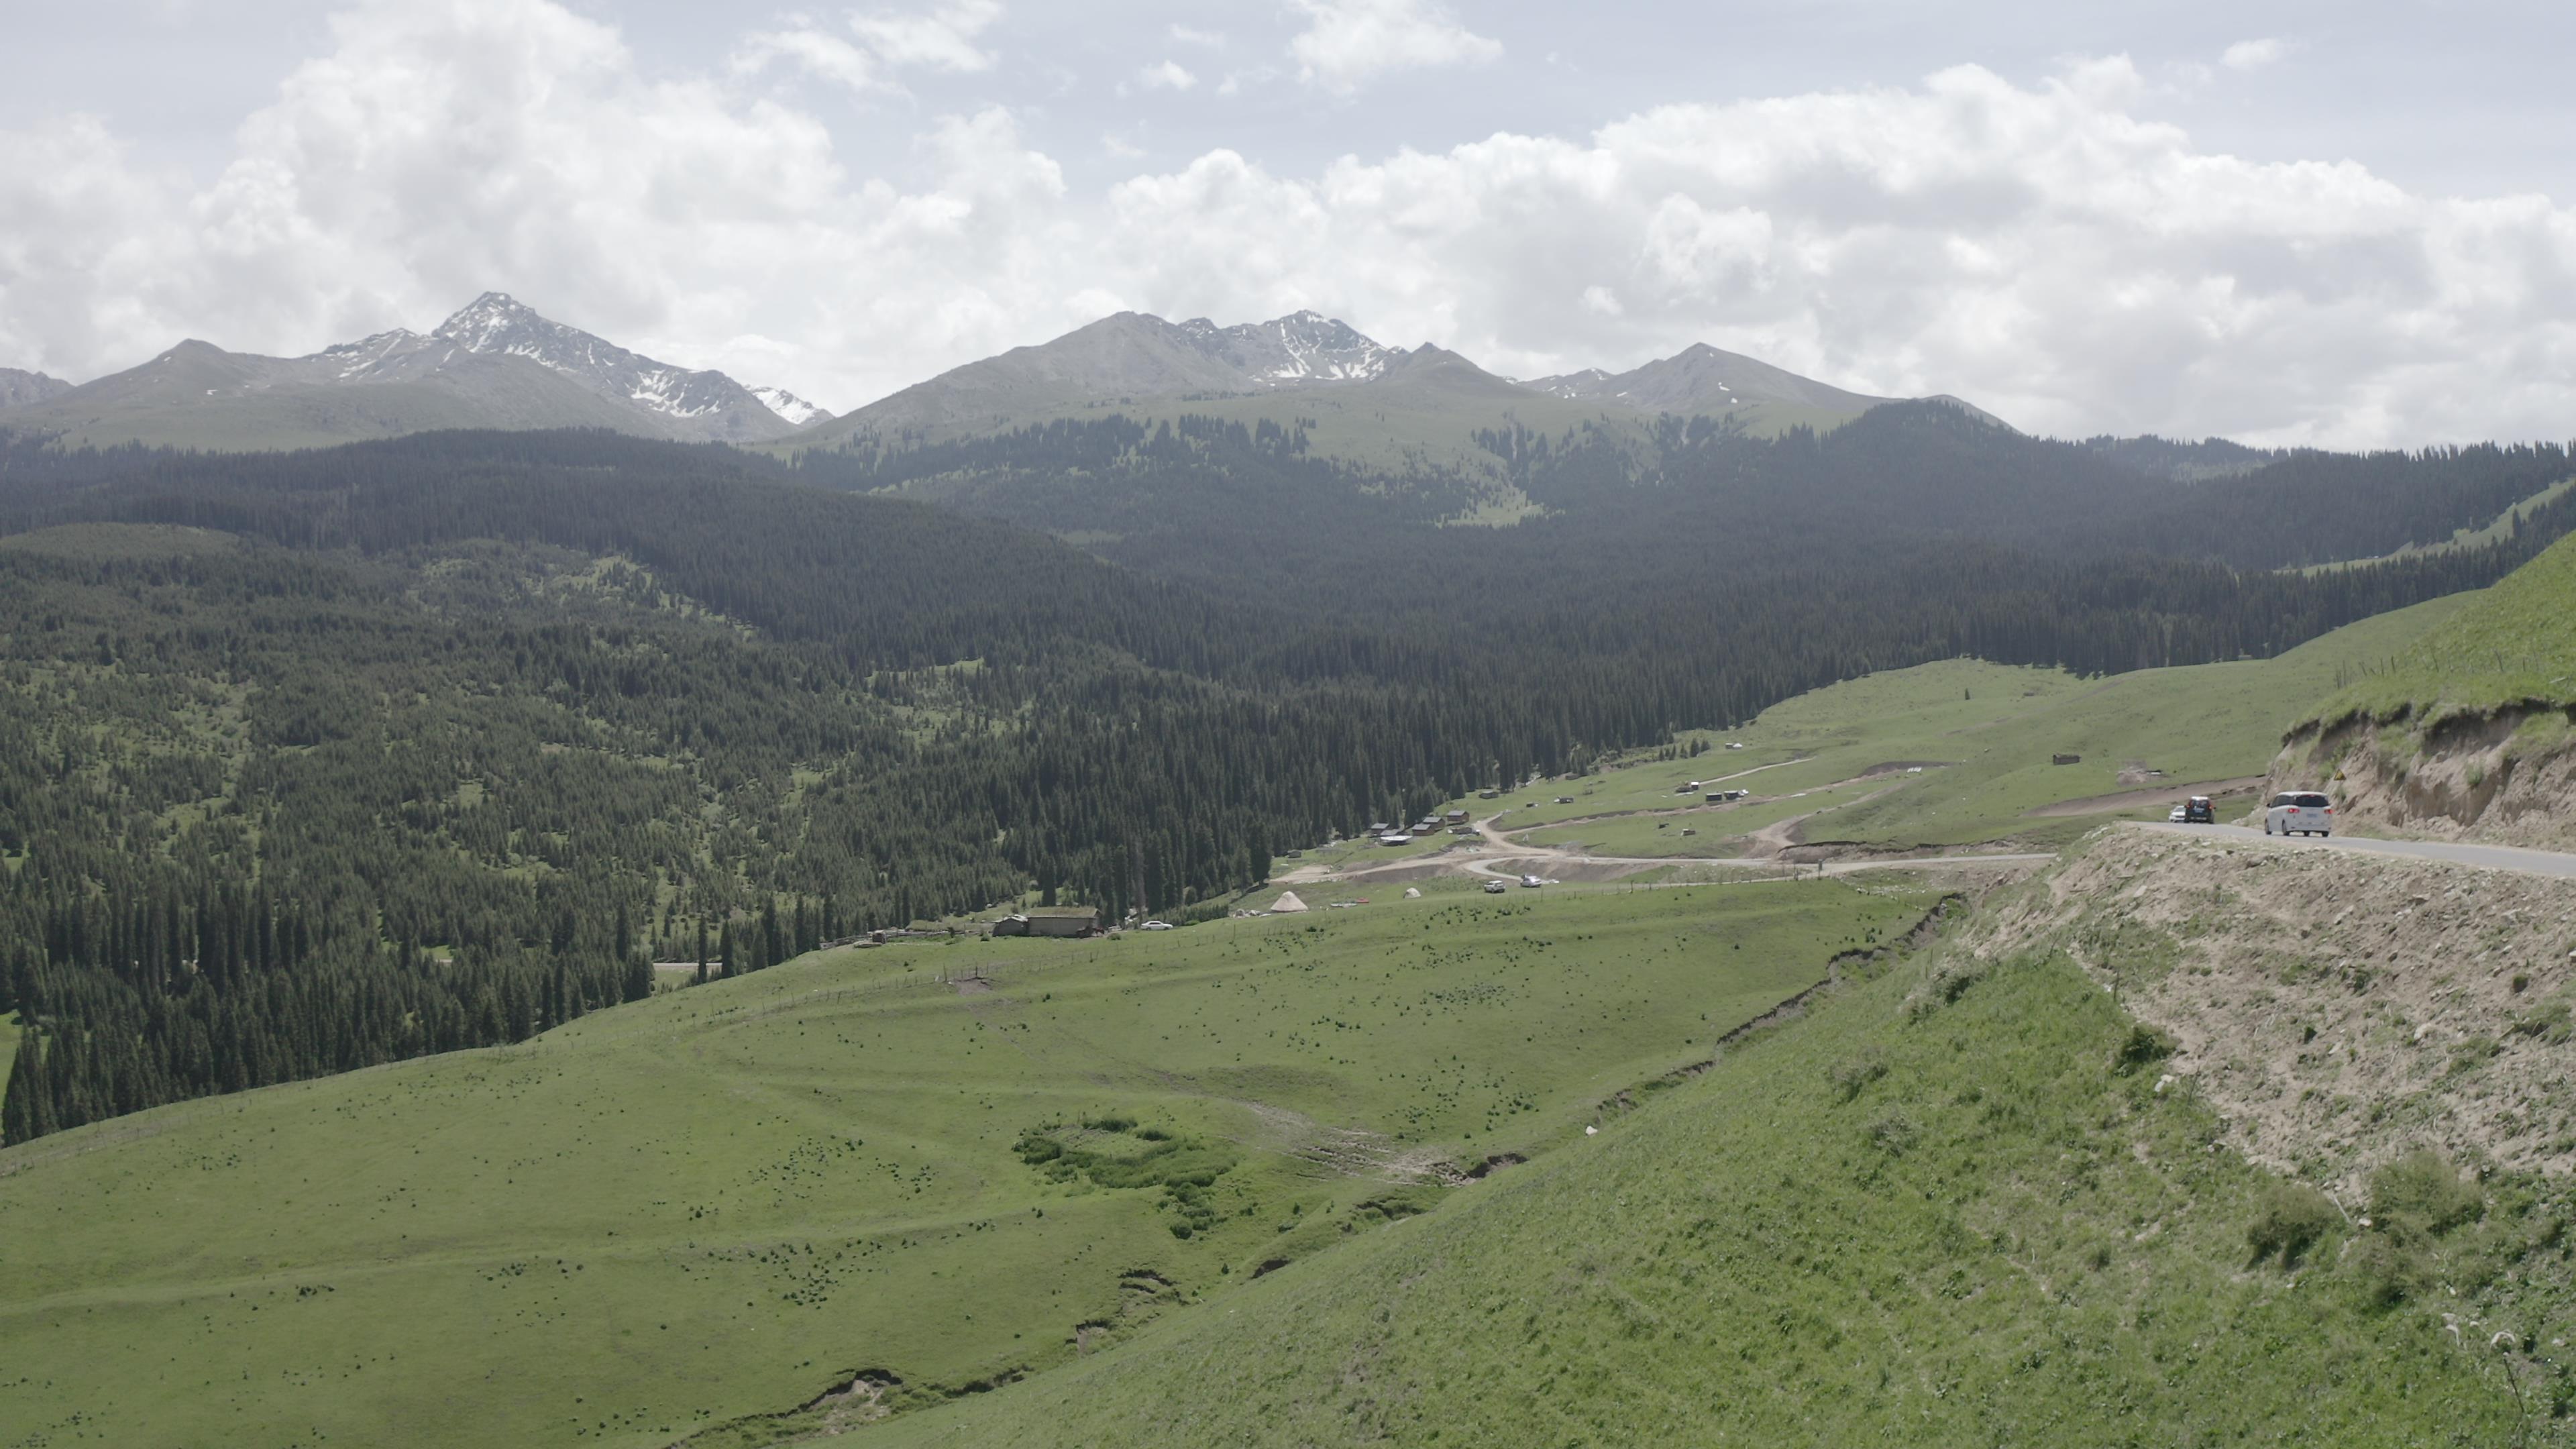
<point>2198,811</point>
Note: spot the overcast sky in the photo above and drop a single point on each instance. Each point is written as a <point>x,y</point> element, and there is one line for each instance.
<point>2351,223</point>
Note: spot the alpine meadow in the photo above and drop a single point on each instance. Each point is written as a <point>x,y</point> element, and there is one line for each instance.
<point>1912,781</point>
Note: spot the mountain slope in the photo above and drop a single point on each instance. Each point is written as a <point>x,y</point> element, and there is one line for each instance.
<point>198,395</point>
<point>19,387</point>
<point>1946,1207</point>
<point>1707,381</point>
<point>759,1184</point>
<point>1122,359</point>
<point>494,364</point>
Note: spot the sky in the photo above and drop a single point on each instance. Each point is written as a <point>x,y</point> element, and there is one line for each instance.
<point>2351,225</point>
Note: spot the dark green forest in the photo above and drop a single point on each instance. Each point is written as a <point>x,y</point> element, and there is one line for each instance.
<point>323,759</point>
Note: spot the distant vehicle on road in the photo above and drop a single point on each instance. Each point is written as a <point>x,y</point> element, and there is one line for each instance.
<point>2175,816</point>
<point>2199,811</point>
<point>2298,812</point>
<point>1531,882</point>
<point>1157,926</point>
<point>1494,887</point>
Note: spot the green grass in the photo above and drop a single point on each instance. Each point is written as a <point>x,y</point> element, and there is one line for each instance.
<point>2516,645</point>
<point>724,1200</point>
<point>1718,826</point>
<point>1986,734</point>
<point>1962,1223</point>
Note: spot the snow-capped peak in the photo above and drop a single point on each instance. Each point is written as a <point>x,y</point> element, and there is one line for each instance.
<point>789,406</point>
<point>497,322</point>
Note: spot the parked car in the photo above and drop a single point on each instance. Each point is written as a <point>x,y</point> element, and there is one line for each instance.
<point>1531,882</point>
<point>1495,887</point>
<point>1158,925</point>
<point>2200,811</point>
<point>2174,816</point>
<point>2298,812</point>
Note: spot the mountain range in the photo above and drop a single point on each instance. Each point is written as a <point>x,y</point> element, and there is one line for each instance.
<point>498,363</point>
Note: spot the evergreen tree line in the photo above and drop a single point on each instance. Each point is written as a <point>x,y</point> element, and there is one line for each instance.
<point>322,759</point>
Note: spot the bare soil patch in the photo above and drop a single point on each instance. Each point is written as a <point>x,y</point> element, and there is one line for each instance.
<point>2337,1008</point>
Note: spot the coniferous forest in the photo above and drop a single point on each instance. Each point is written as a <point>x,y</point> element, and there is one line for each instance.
<point>318,760</point>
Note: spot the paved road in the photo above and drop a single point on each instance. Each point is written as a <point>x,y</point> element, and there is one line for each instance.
<point>2490,857</point>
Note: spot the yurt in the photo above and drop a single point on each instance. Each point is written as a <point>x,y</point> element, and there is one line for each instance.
<point>1287,902</point>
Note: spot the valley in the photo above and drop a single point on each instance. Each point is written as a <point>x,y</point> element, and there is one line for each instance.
<point>498,923</point>
<point>728,1199</point>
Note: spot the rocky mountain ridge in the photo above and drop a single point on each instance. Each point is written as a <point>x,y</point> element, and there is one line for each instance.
<point>19,387</point>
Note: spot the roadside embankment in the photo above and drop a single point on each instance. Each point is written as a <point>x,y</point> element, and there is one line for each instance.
<point>2505,776</point>
<point>2468,733</point>
<point>2337,1009</point>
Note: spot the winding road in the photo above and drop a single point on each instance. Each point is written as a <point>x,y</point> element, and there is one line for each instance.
<point>2487,857</point>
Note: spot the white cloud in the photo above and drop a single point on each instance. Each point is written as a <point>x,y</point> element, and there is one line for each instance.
<point>814,50</point>
<point>1168,76</point>
<point>2043,249</point>
<point>942,38</point>
<point>1192,35</point>
<point>2254,54</point>
<point>1347,43</point>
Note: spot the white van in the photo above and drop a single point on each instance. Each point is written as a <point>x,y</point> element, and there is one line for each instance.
<point>2299,812</point>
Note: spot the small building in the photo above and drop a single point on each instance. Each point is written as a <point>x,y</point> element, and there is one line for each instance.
<point>1395,837</point>
<point>2066,759</point>
<point>1054,925</point>
<point>1456,817</point>
<point>1489,794</point>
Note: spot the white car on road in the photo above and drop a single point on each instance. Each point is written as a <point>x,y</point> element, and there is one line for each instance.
<point>2298,812</point>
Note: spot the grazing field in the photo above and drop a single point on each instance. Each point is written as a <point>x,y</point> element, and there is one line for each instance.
<point>1942,1209</point>
<point>1720,827</point>
<point>2516,648</point>
<point>1985,735</point>
<point>948,1164</point>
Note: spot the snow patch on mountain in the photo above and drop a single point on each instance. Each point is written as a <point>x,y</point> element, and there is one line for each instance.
<point>1301,347</point>
<point>788,405</point>
<point>704,403</point>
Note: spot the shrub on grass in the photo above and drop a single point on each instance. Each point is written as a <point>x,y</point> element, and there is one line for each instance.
<point>2289,1219</point>
<point>2423,1193</point>
<point>1894,1133</point>
<point>2144,1047</point>
<point>1851,1075</point>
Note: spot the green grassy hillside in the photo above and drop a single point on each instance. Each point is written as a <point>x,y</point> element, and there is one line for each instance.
<point>722,1202</point>
<point>1985,735</point>
<point>1938,1211</point>
<point>2516,646</point>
